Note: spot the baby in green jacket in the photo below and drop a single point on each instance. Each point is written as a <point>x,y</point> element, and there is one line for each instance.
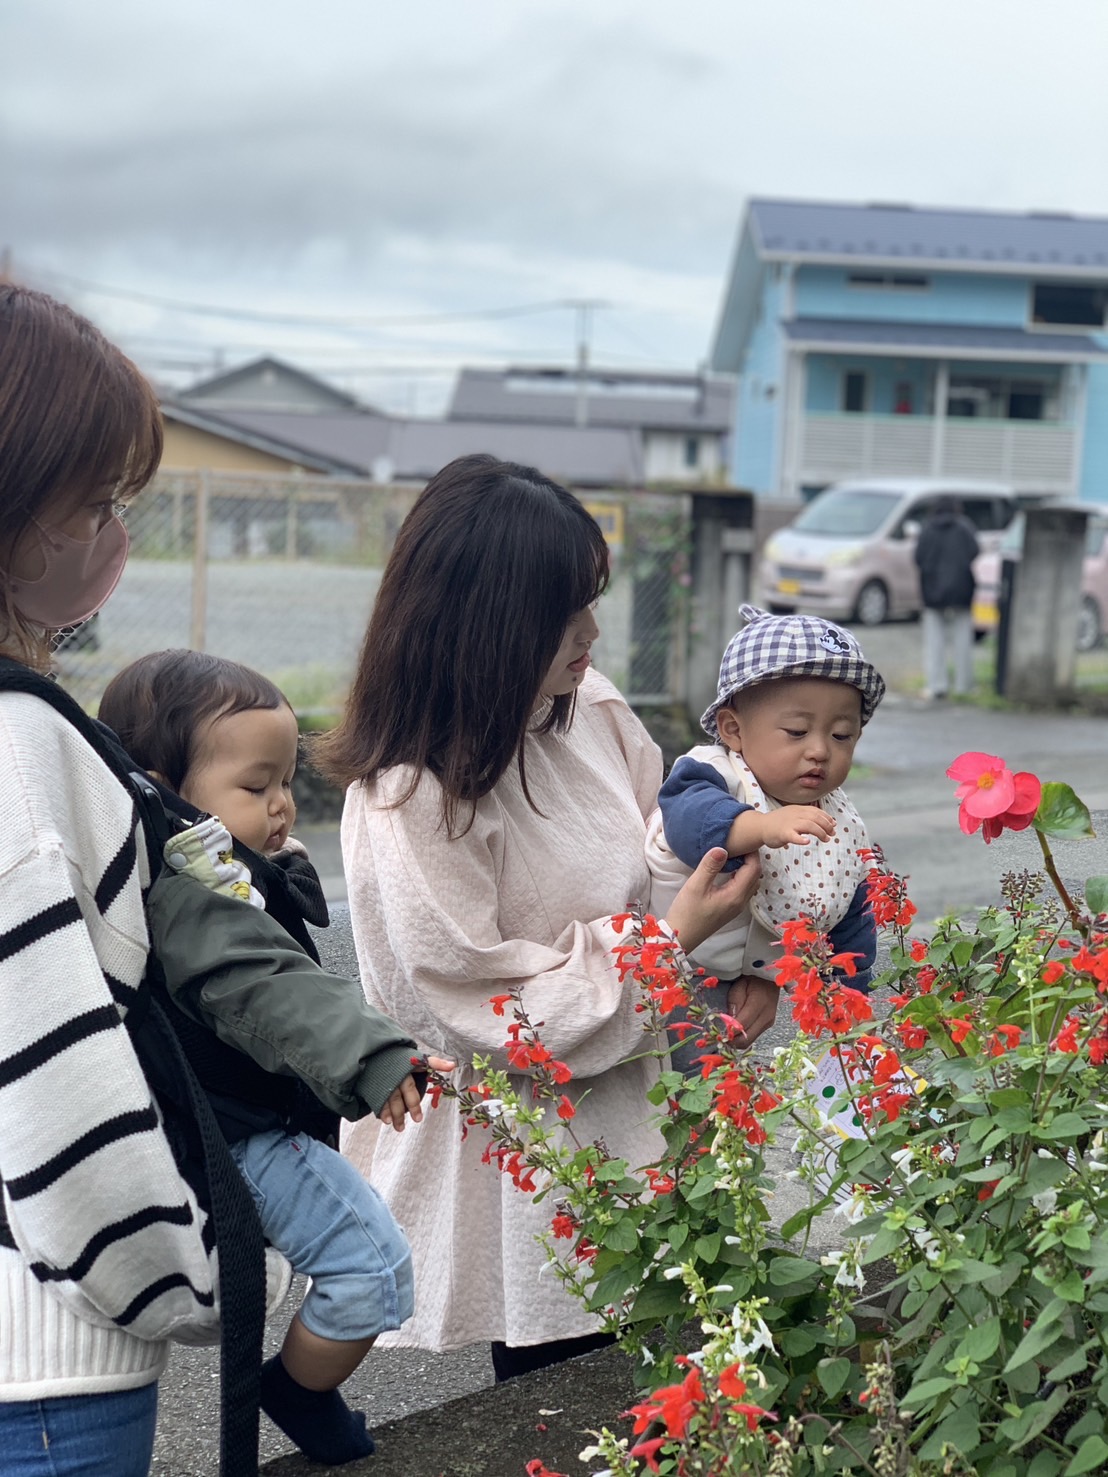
<point>225,739</point>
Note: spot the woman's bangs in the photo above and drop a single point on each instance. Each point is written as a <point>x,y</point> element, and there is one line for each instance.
<point>591,567</point>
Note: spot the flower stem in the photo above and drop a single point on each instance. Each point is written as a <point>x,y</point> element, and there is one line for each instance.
<point>1059,885</point>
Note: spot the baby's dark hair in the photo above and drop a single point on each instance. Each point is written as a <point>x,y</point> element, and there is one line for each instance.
<point>158,705</point>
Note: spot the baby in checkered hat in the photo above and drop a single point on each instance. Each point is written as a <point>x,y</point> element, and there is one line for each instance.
<point>794,694</point>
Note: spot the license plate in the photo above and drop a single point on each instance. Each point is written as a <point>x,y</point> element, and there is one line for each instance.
<point>788,587</point>
<point>985,615</point>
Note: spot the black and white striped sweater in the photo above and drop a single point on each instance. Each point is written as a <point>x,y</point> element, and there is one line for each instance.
<point>110,1261</point>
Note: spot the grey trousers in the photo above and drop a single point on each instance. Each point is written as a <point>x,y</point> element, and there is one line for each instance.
<point>947,633</point>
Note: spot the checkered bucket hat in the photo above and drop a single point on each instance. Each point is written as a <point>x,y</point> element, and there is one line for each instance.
<point>771,646</point>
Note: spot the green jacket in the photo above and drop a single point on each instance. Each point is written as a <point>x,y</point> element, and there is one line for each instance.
<point>235,970</point>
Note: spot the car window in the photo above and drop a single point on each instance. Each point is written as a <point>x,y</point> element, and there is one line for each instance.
<point>842,512</point>
<point>1094,537</point>
<point>986,513</point>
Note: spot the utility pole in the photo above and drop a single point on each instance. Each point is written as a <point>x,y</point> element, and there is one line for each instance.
<point>583,307</point>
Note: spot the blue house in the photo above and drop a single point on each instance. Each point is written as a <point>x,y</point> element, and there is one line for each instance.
<point>889,340</point>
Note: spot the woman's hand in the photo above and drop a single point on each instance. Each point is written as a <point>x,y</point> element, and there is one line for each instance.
<point>753,1002</point>
<point>707,901</point>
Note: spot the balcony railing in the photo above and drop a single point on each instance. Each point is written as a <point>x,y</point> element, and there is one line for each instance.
<point>1034,455</point>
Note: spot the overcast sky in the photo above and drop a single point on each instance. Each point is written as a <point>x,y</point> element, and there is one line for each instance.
<point>359,160</point>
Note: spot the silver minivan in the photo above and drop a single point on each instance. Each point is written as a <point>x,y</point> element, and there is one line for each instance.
<point>848,554</point>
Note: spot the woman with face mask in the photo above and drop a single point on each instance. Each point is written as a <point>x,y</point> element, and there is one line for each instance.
<point>102,1252</point>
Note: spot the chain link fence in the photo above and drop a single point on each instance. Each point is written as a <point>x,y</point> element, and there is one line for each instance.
<point>281,573</point>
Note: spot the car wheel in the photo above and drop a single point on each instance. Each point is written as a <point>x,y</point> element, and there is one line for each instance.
<point>872,605</point>
<point>1088,624</point>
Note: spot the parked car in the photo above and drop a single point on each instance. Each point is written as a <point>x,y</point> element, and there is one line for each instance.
<point>1092,620</point>
<point>848,554</point>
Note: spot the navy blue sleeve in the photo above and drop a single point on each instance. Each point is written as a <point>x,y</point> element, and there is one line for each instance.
<point>857,934</point>
<point>697,811</point>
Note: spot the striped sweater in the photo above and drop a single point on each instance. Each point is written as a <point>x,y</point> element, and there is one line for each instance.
<point>111,1261</point>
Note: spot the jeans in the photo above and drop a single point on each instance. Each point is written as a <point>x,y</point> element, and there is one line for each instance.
<point>108,1435</point>
<point>947,632</point>
<point>333,1226</point>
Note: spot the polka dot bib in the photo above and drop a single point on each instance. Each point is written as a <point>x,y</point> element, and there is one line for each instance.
<point>817,881</point>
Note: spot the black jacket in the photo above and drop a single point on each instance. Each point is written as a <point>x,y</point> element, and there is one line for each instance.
<point>945,553</point>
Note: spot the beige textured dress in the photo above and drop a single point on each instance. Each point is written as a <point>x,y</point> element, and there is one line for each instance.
<point>441,925</point>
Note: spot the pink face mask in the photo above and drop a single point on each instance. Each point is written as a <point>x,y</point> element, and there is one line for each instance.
<point>78,578</point>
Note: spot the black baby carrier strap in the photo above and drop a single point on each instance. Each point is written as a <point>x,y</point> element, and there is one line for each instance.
<point>198,1144</point>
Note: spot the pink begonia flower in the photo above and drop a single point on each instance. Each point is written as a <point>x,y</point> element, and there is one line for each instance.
<point>992,796</point>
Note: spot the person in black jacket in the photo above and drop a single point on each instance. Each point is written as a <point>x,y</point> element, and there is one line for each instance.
<point>945,551</point>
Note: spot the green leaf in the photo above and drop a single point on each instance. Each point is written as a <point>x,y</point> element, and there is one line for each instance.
<point>787,1271</point>
<point>622,1235</point>
<point>1092,1451</point>
<point>980,1343</point>
<point>833,1375</point>
<point>1061,813</point>
<point>1062,1126</point>
<point>796,1342</point>
<point>1045,1331</point>
<point>657,1301</point>
<point>1096,895</point>
<point>928,1390</point>
<point>707,1247</point>
<point>1072,1364</point>
<point>1072,1287</point>
<point>1045,1464</point>
<point>961,1430</point>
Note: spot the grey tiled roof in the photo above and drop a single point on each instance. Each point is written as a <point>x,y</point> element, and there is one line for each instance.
<point>653,401</point>
<point>1001,240</point>
<point>955,338</point>
<point>592,456</point>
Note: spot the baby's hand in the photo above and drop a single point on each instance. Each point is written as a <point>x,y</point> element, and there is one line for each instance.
<point>797,825</point>
<point>406,1098</point>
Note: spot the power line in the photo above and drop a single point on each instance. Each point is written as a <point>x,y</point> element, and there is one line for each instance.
<point>252,315</point>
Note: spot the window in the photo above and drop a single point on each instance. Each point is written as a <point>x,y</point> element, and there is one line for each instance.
<point>692,451</point>
<point>899,281</point>
<point>854,391</point>
<point>1002,399</point>
<point>1071,306</point>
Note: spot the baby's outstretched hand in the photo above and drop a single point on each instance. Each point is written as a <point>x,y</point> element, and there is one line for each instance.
<point>406,1098</point>
<point>797,825</point>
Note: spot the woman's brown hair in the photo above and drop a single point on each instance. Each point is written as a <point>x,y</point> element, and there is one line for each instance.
<point>75,415</point>
<point>488,569</point>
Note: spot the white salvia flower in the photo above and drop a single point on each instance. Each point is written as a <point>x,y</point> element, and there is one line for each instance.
<point>1096,1166</point>
<point>647,1357</point>
<point>723,1287</point>
<point>588,1453</point>
<point>493,1106</point>
<point>732,1241</point>
<point>1045,1201</point>
<point>671,1274</point>
<point>1044,1154</point>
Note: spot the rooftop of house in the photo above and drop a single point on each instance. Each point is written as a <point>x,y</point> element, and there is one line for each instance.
<point>678,402</point>
<point>269,384</point>
<point>1051,242</point>
<point>413,450</point>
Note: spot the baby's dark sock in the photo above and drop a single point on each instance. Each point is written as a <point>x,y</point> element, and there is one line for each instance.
<point>319,1421</point>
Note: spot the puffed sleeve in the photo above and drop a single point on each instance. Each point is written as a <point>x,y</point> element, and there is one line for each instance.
<point>425,914</point>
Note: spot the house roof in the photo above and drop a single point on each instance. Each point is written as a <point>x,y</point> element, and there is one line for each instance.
<point>679,402</point>
<point>876,336</point>
<point>1044,242</point>
<point>279,386</point>
<point>413,450</point>
<point>267,439</point>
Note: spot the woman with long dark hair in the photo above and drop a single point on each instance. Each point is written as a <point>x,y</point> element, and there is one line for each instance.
<point>495,822</point>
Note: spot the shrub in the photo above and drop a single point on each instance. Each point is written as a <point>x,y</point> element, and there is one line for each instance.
<point>963,1141</point>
